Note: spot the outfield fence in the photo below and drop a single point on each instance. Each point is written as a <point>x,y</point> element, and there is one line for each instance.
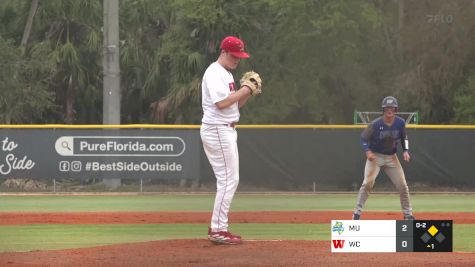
<point>272,157</point>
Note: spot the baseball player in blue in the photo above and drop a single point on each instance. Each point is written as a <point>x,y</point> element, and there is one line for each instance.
<point>379,141</point>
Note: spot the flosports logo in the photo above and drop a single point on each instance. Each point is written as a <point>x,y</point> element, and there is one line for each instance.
<point>338,227</point>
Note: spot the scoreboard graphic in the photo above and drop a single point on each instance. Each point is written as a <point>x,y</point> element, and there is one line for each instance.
<point>391,236</point>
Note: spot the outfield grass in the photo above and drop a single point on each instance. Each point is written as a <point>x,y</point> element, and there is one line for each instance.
<point>48,237</point>
<point>45,237</point>
<point>440,203</point>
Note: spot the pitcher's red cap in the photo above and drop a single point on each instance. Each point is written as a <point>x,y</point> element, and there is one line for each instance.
<point>235,46</point>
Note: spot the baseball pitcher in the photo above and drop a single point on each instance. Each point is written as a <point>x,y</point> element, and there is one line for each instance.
<point>221,100</point>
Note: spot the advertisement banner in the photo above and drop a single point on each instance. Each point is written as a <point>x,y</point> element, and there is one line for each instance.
<point>100,153</point>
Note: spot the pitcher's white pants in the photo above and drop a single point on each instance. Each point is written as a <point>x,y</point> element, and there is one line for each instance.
<point>220,145</point>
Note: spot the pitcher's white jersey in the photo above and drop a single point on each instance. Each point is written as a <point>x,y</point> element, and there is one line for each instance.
<point>217,84</point>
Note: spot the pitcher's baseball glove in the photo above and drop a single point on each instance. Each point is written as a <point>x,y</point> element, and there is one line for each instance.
<point>252,80</point>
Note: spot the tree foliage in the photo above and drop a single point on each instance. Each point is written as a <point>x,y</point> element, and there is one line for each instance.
<point>320,60</point>
<point>465,100</point>
<point>24,93</point>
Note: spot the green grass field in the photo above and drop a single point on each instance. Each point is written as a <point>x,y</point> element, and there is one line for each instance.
<point>46,237</point>
<point>376,202</point>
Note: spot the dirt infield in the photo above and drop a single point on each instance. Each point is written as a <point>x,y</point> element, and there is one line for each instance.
<point>200,252</point>
<point>10,218</point>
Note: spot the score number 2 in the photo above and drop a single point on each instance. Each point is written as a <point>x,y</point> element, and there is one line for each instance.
<point>404,242</point>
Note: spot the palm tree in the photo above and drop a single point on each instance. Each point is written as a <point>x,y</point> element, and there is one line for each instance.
<point>73,42</point>
<point>29,22</point>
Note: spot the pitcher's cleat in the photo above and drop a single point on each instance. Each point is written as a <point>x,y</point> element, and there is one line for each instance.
<point>224,237</point>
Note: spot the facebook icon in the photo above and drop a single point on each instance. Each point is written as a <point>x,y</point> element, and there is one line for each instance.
<point>64,166</point>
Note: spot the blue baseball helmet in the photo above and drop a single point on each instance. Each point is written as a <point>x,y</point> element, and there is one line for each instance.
<point>389,101</point>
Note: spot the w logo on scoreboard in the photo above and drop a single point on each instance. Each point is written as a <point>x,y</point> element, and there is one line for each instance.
<point>337,243</point>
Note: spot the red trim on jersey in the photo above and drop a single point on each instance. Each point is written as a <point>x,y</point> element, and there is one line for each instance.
<point>232,87</point>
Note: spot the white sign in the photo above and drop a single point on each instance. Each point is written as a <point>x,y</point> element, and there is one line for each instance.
<point>363,236</point>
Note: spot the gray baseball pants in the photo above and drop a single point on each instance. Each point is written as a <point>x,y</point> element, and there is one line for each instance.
<point>391,165</point>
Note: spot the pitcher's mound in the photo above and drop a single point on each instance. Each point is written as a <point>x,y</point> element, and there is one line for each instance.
<point>201,252</point>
